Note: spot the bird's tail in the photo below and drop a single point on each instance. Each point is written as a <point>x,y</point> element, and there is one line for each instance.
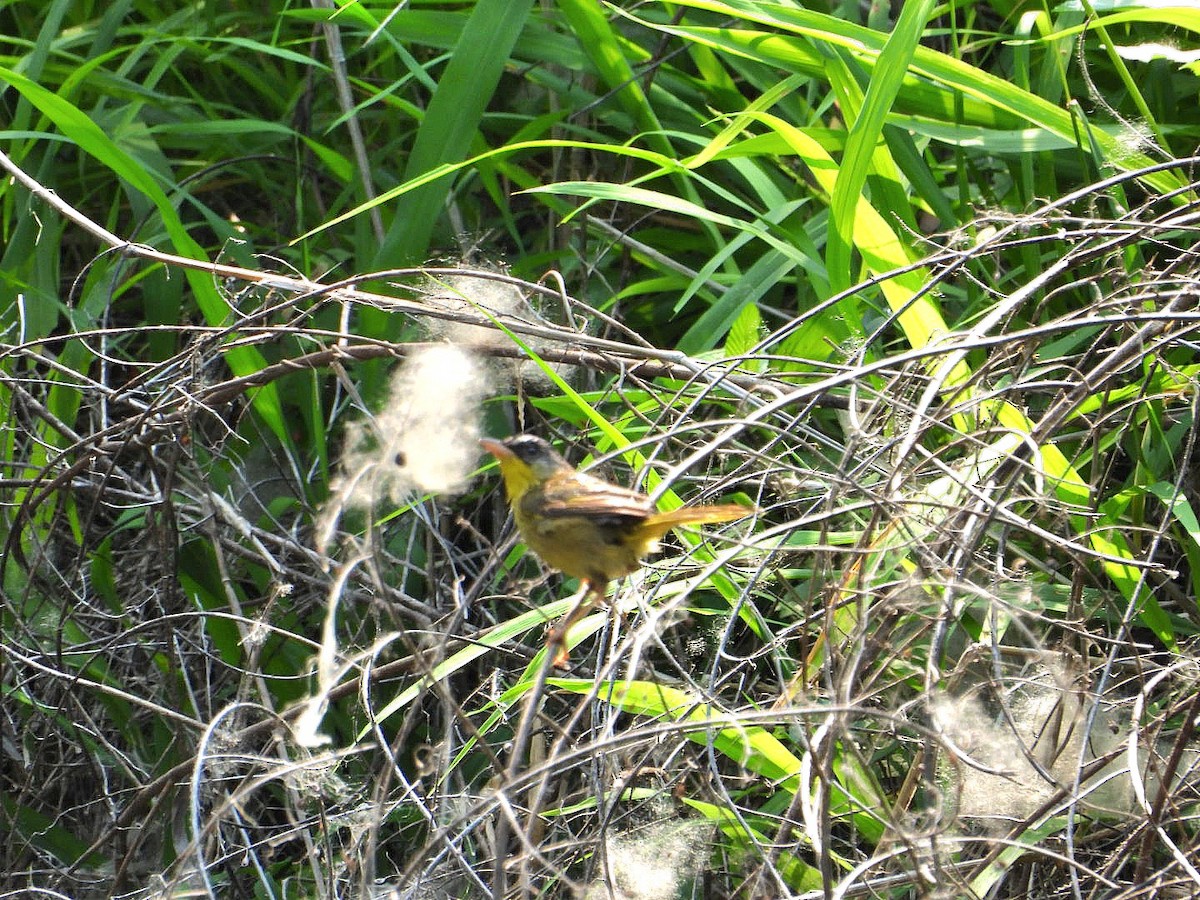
<point>660,523</point>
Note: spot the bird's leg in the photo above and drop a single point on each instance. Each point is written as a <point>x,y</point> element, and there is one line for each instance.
<point>593,595</point>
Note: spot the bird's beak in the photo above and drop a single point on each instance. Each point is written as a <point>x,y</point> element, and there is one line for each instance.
<point>496,448</point>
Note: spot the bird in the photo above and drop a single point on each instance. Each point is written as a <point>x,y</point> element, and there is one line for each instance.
<point>583,526</point>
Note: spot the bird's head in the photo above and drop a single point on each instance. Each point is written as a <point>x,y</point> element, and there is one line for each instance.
<point>525,461</point>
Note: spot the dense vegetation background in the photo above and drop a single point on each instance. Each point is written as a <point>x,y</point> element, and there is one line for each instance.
<point>917,281</point>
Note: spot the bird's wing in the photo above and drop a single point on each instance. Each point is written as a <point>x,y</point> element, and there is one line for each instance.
<point>584,495</point>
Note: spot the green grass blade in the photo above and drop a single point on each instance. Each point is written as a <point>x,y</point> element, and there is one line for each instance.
<point>449,127</point>
<point>77,126</point>
<point>863,141</point>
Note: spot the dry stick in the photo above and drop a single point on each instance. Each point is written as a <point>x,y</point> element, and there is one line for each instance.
<point>540,780</point>
<point>287,283</point>
<point>621,357</point>
<point>157,789</point>
<point>350,114</point>
<point>599,353</point>
<point>520,744</point>
<point>1183,742</point>
<point>1062,796</point>
<point>345,291</point>
<point>596,352</point>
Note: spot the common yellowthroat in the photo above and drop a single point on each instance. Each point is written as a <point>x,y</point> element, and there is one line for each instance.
<point>582,526</point>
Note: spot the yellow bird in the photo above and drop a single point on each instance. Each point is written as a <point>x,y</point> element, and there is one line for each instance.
<point>582,526</point>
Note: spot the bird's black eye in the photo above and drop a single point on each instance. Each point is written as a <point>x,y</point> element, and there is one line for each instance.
<point>526,447</point>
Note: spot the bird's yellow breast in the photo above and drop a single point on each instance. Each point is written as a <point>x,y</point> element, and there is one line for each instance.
<point>584,546</point>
